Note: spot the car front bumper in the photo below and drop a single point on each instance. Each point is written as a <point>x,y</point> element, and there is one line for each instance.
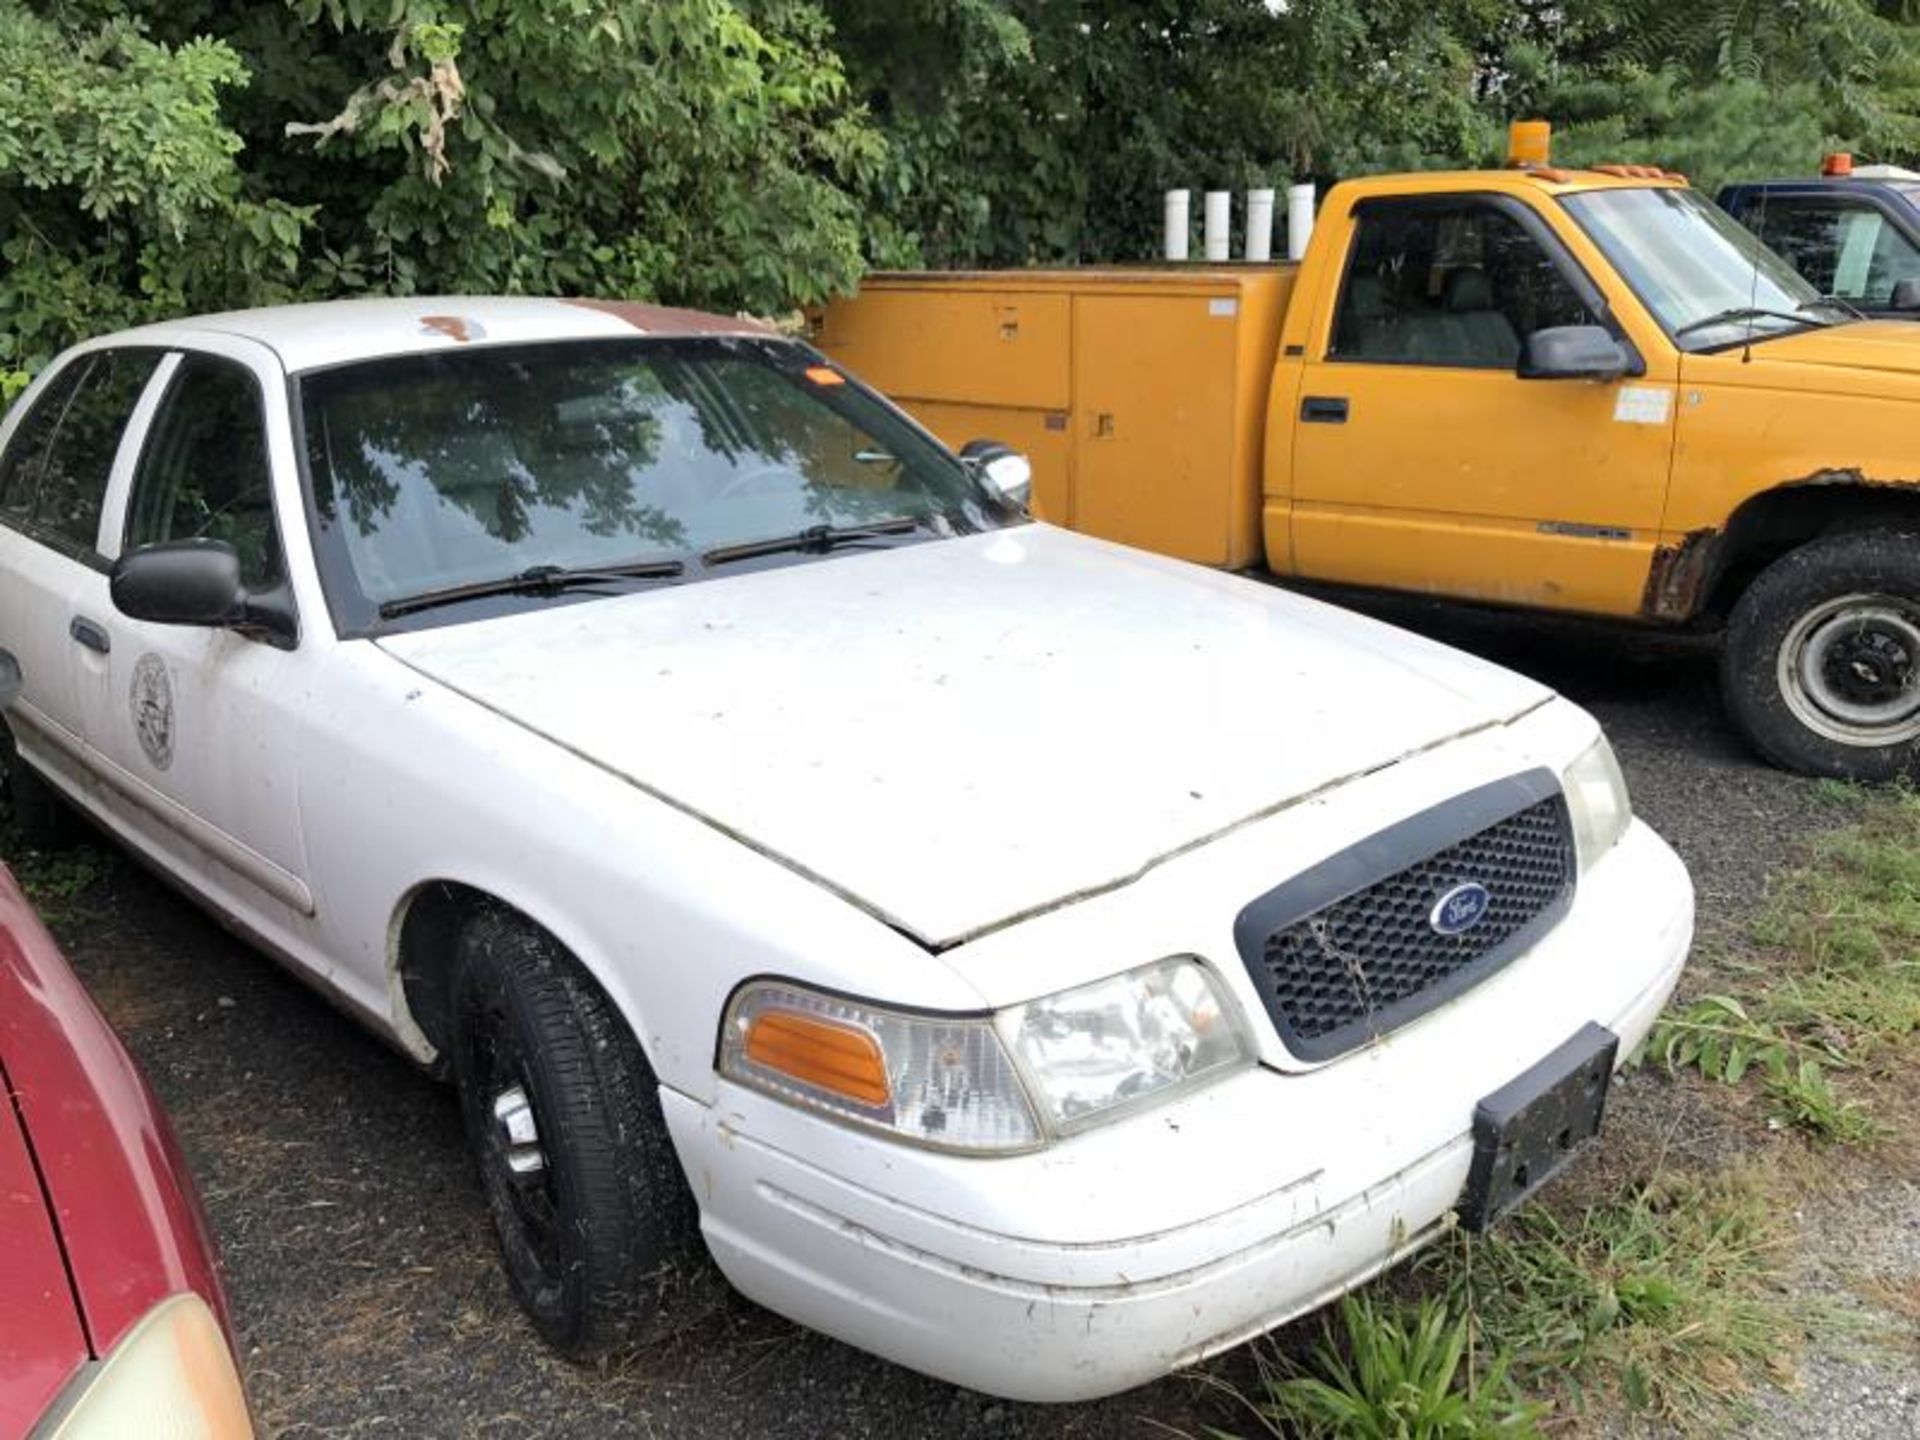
<point>1112,1258</point>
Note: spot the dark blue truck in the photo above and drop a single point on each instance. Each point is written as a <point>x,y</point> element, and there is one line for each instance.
<point>1853,235</point>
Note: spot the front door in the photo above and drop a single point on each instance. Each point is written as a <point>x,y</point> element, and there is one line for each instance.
<point>196,731</point>
<point>1423,462</point>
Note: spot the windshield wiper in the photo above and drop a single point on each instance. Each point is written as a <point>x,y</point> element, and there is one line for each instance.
<point>816,539</point>
<point>541,580</point>
<point>1742,312</point>
<point>1836,302</point>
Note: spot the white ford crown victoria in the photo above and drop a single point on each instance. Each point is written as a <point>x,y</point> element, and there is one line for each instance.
<point>1036,961</point>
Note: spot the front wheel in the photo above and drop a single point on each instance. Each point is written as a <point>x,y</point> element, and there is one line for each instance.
<point>1821,669</point>
<point>595,1221</point>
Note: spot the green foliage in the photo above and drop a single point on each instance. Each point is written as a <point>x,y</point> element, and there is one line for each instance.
<point>1837,985</point>
<point>165,156</point>
<point>1665,1296</point>
<point>1396,1375</point>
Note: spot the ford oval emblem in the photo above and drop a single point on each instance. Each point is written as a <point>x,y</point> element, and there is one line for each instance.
<point>1460,909</point>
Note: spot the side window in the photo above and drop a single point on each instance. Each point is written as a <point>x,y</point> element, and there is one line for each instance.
<point>26,453</point>
<point>1842,247</point>
<point>73,478</point>
<point>203,473</point>
<point>1458,285</point>
<point>1806,234</point>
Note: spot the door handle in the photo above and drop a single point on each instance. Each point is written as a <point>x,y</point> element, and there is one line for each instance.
<point>1324,410</point>
<point>93,636</point>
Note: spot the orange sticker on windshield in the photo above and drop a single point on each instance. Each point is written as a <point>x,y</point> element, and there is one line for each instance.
<point>823,375</point>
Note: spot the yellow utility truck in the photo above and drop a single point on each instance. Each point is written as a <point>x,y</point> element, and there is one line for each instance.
<point>1575,390</point>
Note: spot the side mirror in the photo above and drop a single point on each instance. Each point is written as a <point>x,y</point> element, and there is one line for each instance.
<point>1572,352</point>
<point>1004,469</point>
<point>1906,294</point>
<point>197,582</point>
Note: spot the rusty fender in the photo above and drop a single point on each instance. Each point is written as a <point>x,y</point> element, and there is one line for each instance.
<point>1677,579</point>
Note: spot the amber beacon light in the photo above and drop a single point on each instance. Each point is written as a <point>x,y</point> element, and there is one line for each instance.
<point>1529,142</point>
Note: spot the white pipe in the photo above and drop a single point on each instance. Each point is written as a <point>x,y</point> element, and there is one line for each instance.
<point>1259,225</point>
<point>1179,224</point>
<point>1219,216</point>
<point>1299,219</point>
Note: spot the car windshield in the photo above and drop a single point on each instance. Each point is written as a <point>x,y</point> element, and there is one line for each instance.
<point>1705,276</point>
<point>432,472</point>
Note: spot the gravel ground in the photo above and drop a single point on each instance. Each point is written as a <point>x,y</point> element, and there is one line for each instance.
<point>362,1268</point>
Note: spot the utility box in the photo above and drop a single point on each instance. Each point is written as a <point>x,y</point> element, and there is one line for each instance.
<point>1139,394</point>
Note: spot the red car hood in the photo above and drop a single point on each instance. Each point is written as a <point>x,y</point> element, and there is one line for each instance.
<point>41,1341</point>
<point>84,1140</point>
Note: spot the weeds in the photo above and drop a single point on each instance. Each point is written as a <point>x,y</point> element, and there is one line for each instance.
<point>1665,1297</point>
<point>55,881</point>
<point>1395,1374</point>
<point>1841,949</point>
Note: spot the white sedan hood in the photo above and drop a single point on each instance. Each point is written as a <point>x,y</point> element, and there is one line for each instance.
<point>957,734</point>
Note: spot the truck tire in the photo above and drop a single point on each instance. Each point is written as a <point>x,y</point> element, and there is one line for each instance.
<point>38,818</point>
<point>1821,668</point>
<point>595,1221</point>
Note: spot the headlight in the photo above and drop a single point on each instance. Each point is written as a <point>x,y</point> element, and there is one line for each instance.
<point>938,1079</point>
<point>1597,800</point>
<point>1116,1044</point>
<point>170,1375</point>
<point>989,1083</point>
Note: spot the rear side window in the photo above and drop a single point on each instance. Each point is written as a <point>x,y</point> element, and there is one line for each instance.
<point>26,453</point>
<point>73,478</point>
<point>203,472</point>
<point>1460,285</point>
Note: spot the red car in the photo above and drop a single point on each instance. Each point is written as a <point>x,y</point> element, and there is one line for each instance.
<point>112,1319</point>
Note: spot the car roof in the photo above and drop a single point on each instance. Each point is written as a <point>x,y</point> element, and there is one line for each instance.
<point>333,332</point>
<point>1513,181</point>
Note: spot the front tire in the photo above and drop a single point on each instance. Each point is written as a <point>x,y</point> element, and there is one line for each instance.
<point>595,1221</point>
<point>1821,669</point>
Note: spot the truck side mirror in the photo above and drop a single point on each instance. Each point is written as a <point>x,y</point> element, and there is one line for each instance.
<point>1004,469</point>
<point>1906,294</point>
<point>196,582</point>
<point>1572,352</point>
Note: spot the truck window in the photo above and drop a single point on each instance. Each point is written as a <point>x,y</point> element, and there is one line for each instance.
<point>1843,247</point>
<point>1458,285</point>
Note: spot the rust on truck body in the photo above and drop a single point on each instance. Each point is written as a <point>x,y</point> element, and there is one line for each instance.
<point>1678,578</point>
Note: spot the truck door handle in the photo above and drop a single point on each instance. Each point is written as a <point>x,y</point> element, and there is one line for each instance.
<point>89,634</point>
<point>1324,410</point>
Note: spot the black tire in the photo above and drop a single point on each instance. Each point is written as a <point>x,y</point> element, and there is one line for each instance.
<point>39,818</point>
<point>1821,668</point>
<point>599,1236</point>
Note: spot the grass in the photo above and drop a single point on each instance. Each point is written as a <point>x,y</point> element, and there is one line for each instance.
<point>55,880</point>
<point>1666,1296</point>
<point>1394,1372</point>
<point>1832,988</point>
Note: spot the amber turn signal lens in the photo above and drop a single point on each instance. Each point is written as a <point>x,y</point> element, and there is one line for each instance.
<point>825,375</point>
<point>830,1057</point>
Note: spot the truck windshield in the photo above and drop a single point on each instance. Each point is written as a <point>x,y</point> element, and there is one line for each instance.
<point>1707,279</point>
<point>449,471</point>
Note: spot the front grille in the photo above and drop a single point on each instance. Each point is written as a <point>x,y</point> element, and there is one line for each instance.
<point>1349,951</point>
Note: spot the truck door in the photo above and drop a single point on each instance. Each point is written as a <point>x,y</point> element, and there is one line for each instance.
<point>1421,460</point>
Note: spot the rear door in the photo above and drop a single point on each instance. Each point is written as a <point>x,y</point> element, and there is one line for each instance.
<point>1422,461</point>
<point>197,730</point>
<point>55,474</point>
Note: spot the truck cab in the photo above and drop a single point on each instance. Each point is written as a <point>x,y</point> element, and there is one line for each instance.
<point>1589,391</point>
<point>1852,231</point>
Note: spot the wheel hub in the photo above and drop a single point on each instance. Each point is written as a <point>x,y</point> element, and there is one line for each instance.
<point>517,1134</point>
<point>1850,669</point>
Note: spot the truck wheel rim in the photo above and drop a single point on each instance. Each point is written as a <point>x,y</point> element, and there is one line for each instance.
<point>1850,670</point>
<point>514,1151</point>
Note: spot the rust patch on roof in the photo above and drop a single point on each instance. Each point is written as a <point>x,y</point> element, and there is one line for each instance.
<point>668,320</point>
<point>1677,580</point>
<point>454,327</point>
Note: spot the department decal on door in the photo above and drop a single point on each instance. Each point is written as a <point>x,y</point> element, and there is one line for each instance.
<point>153,710</point>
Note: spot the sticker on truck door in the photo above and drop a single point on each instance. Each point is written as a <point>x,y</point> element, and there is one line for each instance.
<point>1643,405</point>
